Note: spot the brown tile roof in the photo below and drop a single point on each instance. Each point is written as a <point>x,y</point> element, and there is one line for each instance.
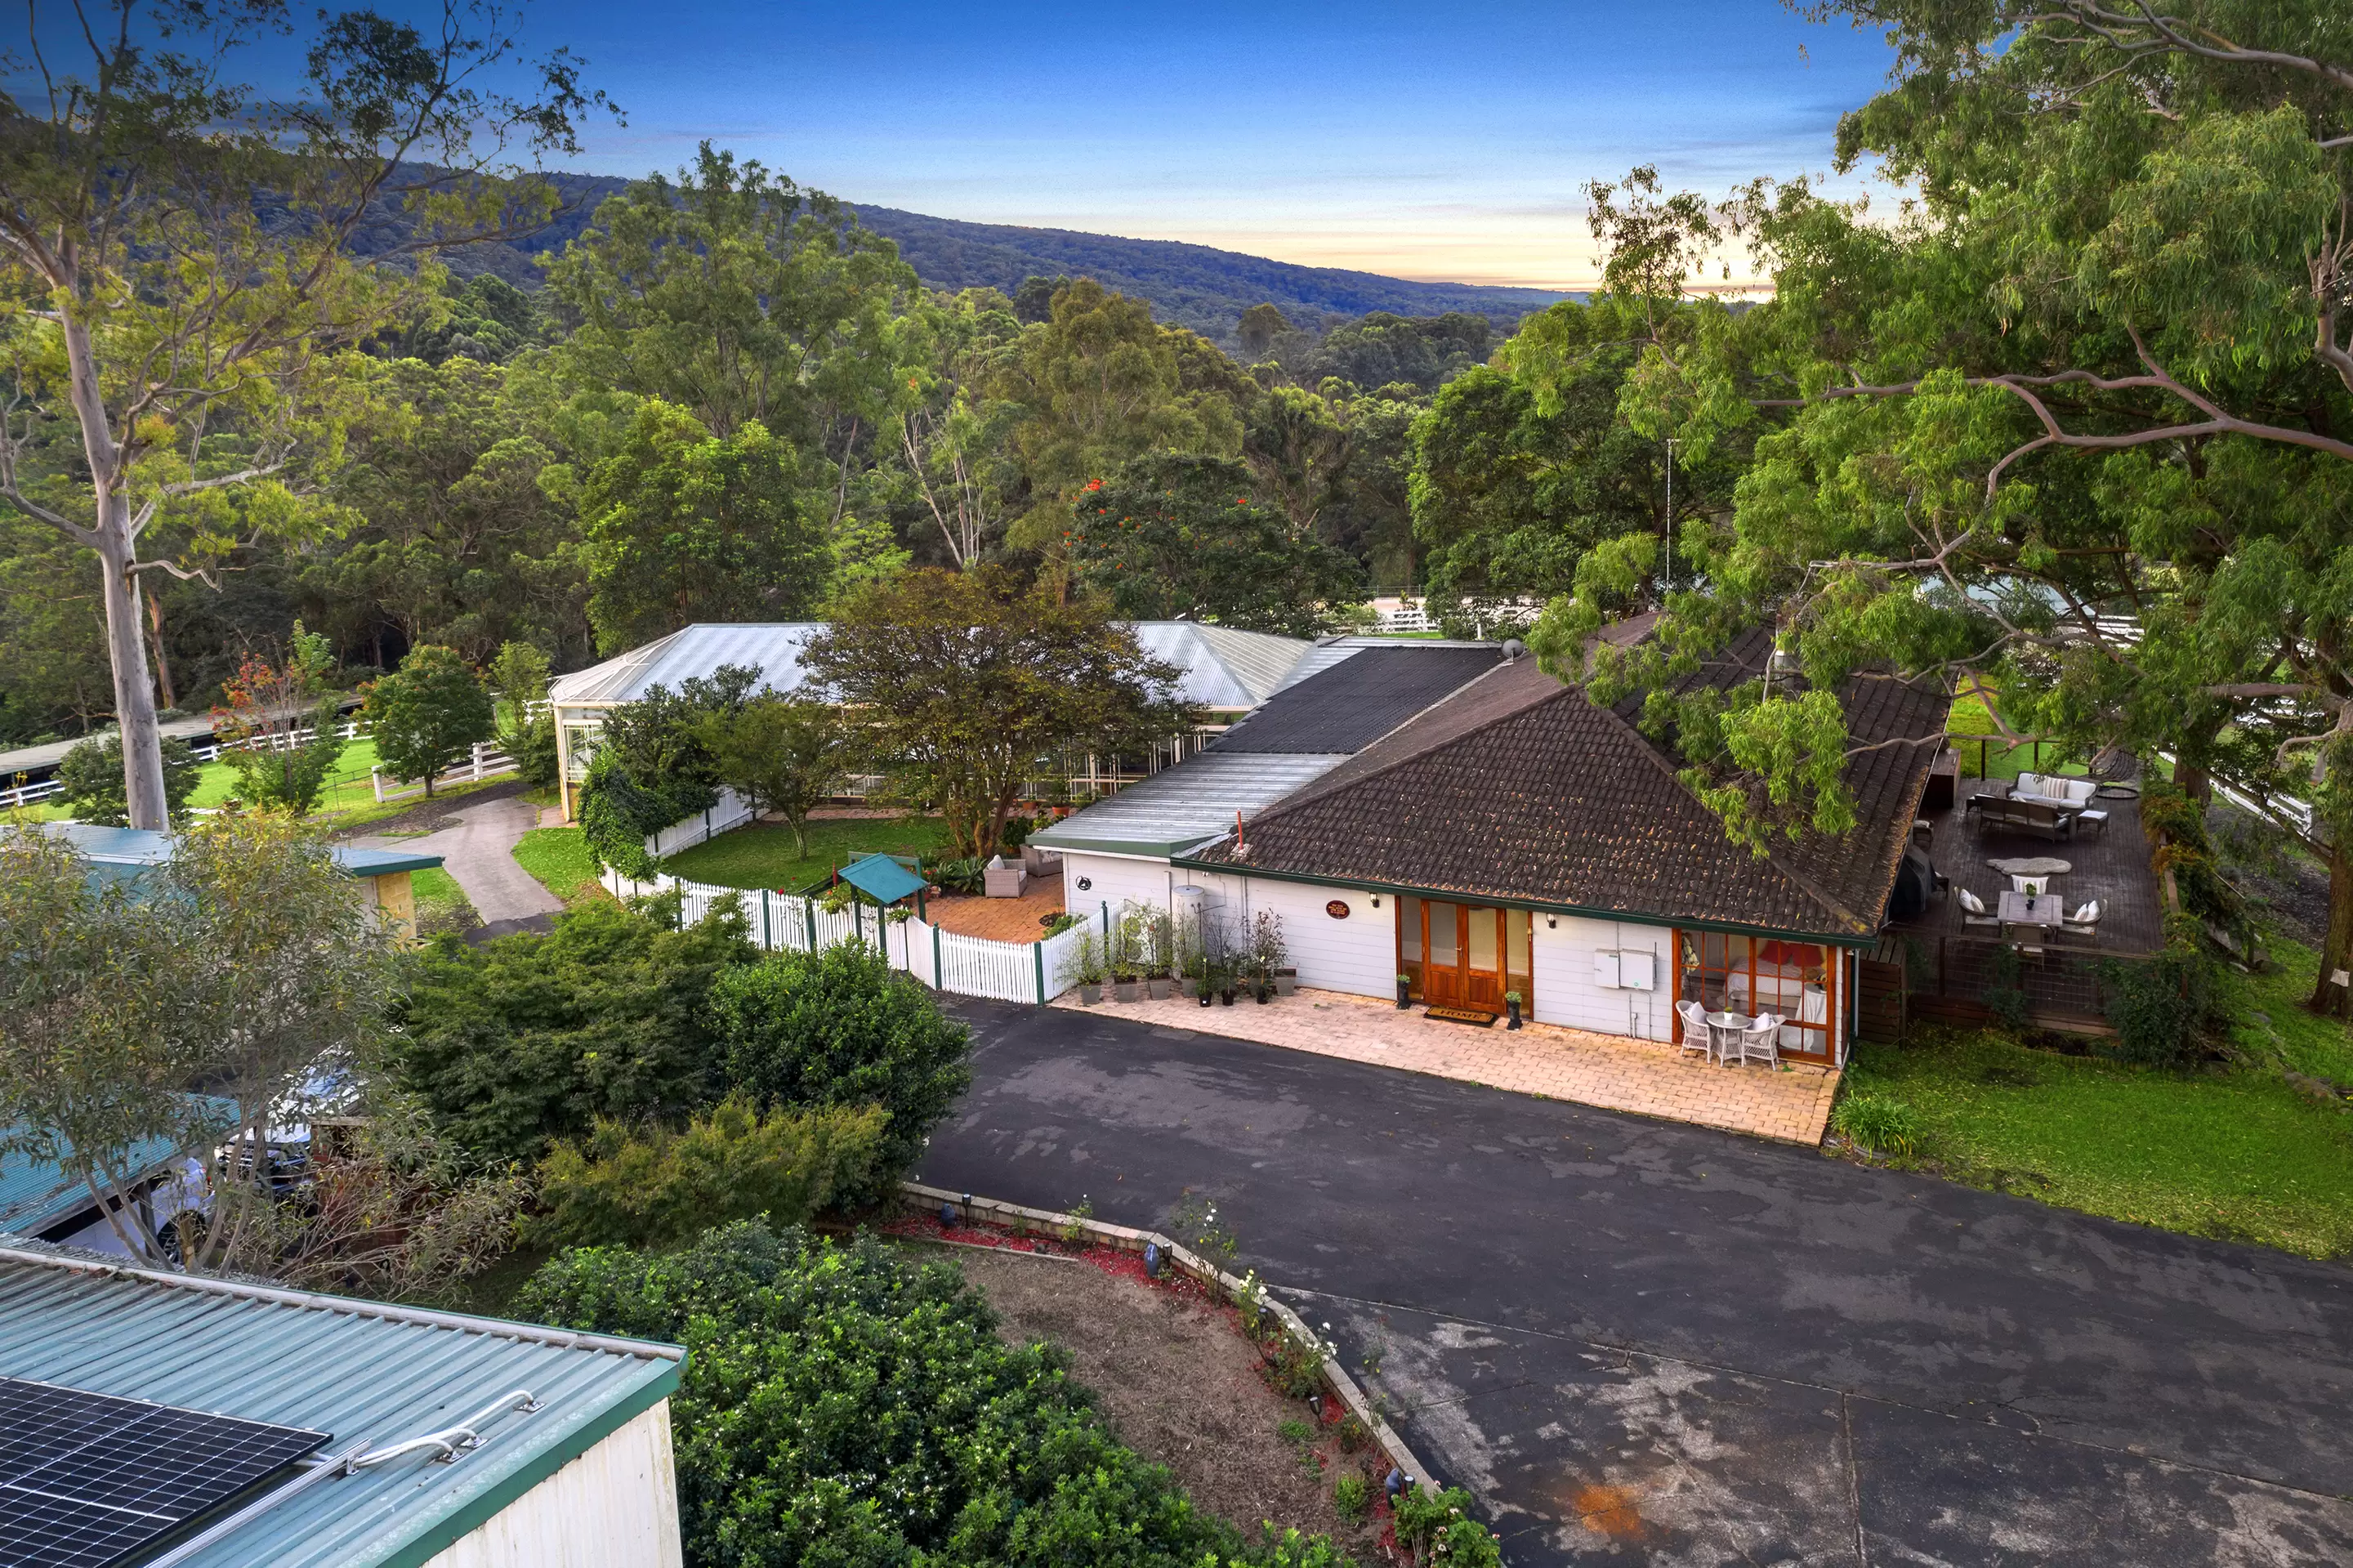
<point>1520,788</point>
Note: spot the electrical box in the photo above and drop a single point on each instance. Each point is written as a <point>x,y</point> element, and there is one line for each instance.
<point>1625,969</point>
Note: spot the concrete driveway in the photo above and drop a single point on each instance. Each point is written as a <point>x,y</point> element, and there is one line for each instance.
<point>479,852</point>
<point>1640,1342</point>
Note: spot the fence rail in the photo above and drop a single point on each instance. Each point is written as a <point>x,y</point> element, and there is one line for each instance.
<point>487,762</point>
<point>942,959</point>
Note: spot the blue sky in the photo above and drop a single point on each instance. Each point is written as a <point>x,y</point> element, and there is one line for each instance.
<point>1428,141</point>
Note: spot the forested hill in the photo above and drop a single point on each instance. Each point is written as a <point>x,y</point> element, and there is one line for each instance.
<point>1187,285</point>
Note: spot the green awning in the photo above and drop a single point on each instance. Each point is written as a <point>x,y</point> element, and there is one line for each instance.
<point>883,879</point>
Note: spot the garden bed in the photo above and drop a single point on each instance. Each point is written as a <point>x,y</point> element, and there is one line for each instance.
<point>1176,1379</point>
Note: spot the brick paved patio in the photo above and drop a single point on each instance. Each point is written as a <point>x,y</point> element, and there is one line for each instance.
<point>1605,1070</point>
<point>999,919</point>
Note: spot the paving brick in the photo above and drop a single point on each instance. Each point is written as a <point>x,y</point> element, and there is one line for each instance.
<point>1791,1104</point>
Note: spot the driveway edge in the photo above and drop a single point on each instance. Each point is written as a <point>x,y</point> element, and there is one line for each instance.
<point>919,1198</point>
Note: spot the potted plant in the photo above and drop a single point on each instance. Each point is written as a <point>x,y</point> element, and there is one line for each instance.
<point>1405,992</point>
<point>1158,985</point>
<point>1510,1009</point>
<point>1204,980</point>
<point>1091,970</point>
<point>1286,981</point>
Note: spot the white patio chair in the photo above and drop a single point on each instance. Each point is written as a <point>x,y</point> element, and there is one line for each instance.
<point>2032,887</point>
<point>1698,1035</point>
<point>2085,922</point>
<point>1760,1042</point>
<point>1973,909</point>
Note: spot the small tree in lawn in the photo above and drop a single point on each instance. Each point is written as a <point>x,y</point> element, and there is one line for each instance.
<point>91,778</point>
<point>242,967</point>
<point>782,754</point>
<point>962,682</point>
<point>282,725</point>
<point>427,715</point>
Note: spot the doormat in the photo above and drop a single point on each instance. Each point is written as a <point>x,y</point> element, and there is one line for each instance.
<point>1460,1015</point>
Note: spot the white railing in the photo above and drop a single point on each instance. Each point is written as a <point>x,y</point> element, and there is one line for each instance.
<point>487,762</point>
<point>944,961</point>
<point>25,794</point>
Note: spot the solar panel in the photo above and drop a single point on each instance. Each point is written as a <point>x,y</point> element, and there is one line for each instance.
<point>88,1480</point>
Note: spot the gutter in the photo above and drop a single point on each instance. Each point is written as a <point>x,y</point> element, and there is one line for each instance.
<point>421,1317</point>
<point>1540,906</point>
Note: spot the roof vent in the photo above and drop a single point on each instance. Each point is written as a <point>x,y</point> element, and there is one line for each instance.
<point>1513,648</point>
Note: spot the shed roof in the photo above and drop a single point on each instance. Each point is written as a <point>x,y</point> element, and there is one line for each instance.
<point>881,878</point>
<point>39,1195</point>
<point>364,1370</point>
<point>1187,805</point>
<point>1222,669</point>
<point>127,849</point>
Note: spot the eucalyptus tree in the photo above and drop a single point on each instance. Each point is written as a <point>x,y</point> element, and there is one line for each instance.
<point>176,256</point>
<point>2074,423</point>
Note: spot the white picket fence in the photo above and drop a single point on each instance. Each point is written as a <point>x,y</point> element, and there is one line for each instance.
<point>944,961</point>
<point>732,811</point>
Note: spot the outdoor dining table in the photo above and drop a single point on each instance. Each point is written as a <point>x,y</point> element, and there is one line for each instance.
<point>1719,1026</point>
<point>2033,909</point>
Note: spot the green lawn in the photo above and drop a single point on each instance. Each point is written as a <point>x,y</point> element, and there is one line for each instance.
<point>2271,1021</point>
<point>559,858</point>
<point>2241,1156</point>
<point>441,904</point>
<point>762,856</point>
<point>1970,717</point>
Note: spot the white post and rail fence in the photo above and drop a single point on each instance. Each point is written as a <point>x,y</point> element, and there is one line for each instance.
<point>942,959</point>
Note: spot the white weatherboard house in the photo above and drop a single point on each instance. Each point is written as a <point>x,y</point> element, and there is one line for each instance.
<point>181,1422</point>
<point>1223,672</point>
<point>1477,827</point>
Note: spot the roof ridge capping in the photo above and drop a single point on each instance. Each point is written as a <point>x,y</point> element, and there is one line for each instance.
<point>347,1306</point>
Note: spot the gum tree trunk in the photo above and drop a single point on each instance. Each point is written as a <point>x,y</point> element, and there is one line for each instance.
<point>2326,997</point>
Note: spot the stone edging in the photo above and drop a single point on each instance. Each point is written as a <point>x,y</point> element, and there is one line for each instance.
<point>921,1199</point>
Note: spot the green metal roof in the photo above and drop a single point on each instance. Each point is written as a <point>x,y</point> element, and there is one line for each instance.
<point>365,1371</point>
<point>1187,804</point>
<point>881,878</point>
<point>37,1194</point>
<point>119,851</point>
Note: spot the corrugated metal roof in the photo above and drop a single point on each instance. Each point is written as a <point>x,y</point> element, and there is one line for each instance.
<point>135,847</point>
<point>362,1371</point>
<point>1188,804</point>
<point>37,1194</point>
<point>1223,669</point>
<point>773,648</point>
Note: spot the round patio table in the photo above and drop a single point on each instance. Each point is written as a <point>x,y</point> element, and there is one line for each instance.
<point>1719,1025</point>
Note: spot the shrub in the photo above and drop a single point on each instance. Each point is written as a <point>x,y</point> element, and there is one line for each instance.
<point>1440,1525</point>
<point>91,776</point>
<point>964,875</point>
<point>528,1039</point>
<point>1352,1496</point>
<point>839,1028</point>
<point>519,675</point>
<point>842,1405</point>
<point>1296,1366</point>
<point>1878,1123</point>
<point>2159,1005</point>
<point>618,813</point>
<point>662,1187</point>
<point>2005,991</point>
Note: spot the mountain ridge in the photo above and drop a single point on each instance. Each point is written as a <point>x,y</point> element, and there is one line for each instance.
<point>1196,286</point>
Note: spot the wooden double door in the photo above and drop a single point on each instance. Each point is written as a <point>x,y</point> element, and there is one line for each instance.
<point>1463,955</point>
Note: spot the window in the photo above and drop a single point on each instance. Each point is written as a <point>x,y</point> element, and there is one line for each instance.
<point>1725,974</point>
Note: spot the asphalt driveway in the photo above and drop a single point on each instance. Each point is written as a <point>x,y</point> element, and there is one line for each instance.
<point>1641,1342</point>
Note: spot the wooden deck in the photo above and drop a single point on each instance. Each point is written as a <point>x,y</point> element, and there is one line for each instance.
<point>1948,967</point>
